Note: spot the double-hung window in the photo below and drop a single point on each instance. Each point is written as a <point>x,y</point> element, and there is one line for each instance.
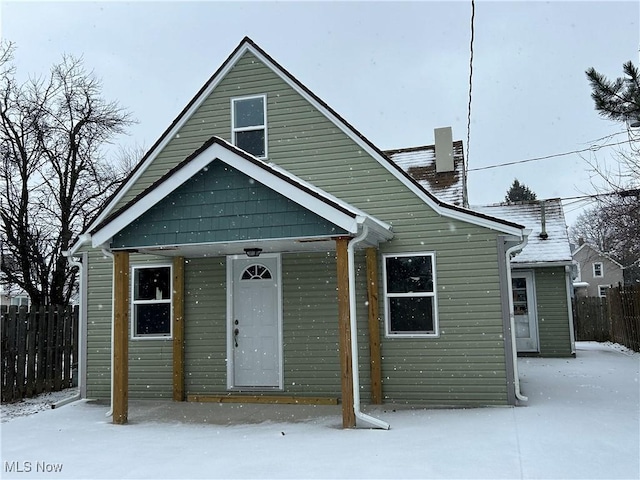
<point>410,295</point>
<point>151,301</point>
<point>598,270</point>
<point>249,124</point>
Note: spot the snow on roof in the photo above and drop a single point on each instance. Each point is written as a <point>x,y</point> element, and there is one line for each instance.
<point>555,248</point>
<point>420,163</point>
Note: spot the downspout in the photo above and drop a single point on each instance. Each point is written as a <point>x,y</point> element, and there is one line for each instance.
<point>514,350</point>
<point>107,253</point>
<point>81,329</point>
<point>572,334</point>
<point>354,333</point>
<point>82,326</point>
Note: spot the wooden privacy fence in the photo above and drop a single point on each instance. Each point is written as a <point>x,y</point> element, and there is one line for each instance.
<point>591,319</point>
<point>39,350</point>
<point>615,318</point>
<point>624,314</point>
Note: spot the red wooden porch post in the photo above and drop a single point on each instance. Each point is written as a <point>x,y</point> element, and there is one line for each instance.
<point>121,338</point>
<point>344,328</point>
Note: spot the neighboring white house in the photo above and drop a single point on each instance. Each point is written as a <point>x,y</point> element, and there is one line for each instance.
<point>595,272</point>
<point>12,297</point>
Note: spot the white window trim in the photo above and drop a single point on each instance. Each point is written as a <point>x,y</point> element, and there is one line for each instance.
<point>133,302</point>
<point>387,320</point>
<point>252,128</point>
<point>603,286</point>
<point>601,269</point>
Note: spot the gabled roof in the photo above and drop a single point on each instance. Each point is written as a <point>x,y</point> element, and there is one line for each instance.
<point>323,204</point>
<point>247,45</point>
<point>597,253</point>
<point>552,250</point>
<point>420,164</point>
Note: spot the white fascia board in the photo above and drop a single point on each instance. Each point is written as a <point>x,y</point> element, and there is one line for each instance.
<point>458,215</point>
<point>346,221</point>
<point>310,202</point>
<point>169,136</point>
<point>468,218</point>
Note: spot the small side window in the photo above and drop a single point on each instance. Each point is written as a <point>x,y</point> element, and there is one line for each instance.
<point>602,290</point>
<point>151,302</point>
<point>249,124</point>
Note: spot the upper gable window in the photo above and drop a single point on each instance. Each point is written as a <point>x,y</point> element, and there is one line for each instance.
<point>598,270</point>
<point>249,120</point>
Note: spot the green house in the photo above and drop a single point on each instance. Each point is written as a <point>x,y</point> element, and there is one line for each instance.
<point>265,250</point>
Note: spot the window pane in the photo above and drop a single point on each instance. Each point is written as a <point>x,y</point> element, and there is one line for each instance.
<point>409,274</point>
<point>251,141</point>
<point>248,113</point>
<point>152,283</point>
<point>153,319</point>
<point>411,314</point>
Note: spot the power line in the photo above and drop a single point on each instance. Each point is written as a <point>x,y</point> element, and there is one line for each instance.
<point>592,148</point>
<point>473,14</point>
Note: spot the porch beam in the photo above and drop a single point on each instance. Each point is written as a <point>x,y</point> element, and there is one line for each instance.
<point>178,329</point>
<point>375,362</point>
<point>121,338</point>
<point>344,329</point>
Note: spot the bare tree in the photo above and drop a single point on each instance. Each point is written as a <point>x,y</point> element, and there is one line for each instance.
<point>54,174</point>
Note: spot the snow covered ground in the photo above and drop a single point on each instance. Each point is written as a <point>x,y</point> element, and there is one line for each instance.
<point>581,422</point>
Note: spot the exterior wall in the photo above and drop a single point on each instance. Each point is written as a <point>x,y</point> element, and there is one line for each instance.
<point>150,361</point>
<point>553,312</point>
<point>465,365</point>
<point>586,257</point>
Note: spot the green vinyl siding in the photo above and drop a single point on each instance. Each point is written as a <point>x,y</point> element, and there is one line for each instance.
<point>150,360</point>
<point>221,204</point>
<point>99,303</point>
<point>553,312</point>
<point>310,326</point>
<point>205,308</point>
<point>465,365</point>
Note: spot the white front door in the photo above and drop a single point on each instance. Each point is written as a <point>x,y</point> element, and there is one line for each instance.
<point>255,333</point>
<point>524,311</point>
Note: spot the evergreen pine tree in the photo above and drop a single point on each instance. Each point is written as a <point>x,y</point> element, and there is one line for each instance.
<point>519,192</point>
<point>617,100</point>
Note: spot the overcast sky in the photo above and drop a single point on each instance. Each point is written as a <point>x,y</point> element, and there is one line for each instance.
<point>394,70</point>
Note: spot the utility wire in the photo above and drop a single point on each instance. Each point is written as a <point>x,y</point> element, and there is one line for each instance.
<point>592,148</point>
<point>473,14</point>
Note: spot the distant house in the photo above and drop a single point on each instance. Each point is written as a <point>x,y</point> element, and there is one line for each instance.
<point>595,272</point>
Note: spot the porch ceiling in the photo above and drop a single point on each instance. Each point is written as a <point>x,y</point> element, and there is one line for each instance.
<point>287,245</point>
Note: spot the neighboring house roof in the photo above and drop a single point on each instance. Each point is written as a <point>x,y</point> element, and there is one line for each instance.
<point>420,164</point>
<point>596,253</point>
<point>327,206</point>
<point>554,249</point>
<point>247,45</point>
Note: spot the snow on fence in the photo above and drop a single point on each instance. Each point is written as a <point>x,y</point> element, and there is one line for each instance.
<point>615,318</point>
<point>39,350</point>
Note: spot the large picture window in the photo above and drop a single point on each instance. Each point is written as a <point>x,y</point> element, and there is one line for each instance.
<point>151,301</point>
<point>249,120</point>
<point>410,295</point>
